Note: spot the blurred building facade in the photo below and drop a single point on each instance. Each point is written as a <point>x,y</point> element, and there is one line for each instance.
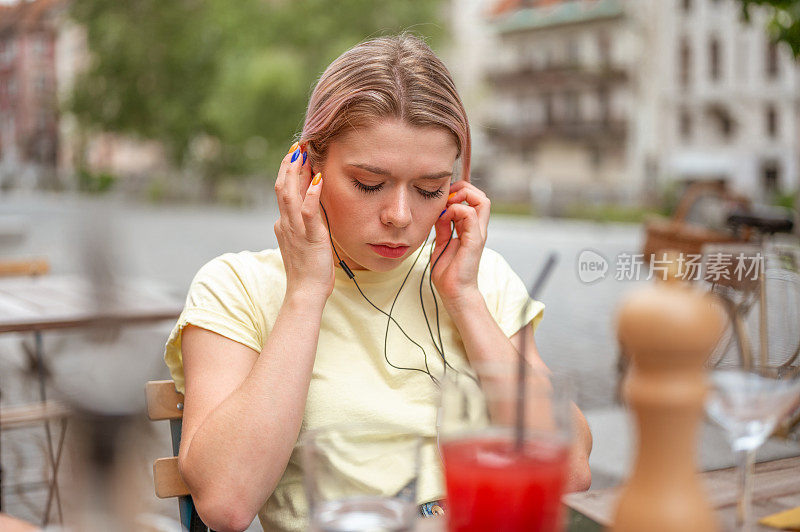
<point>730,101</point>
<point>41,52</point>
<point>614,100</point>
<point>28,103</point>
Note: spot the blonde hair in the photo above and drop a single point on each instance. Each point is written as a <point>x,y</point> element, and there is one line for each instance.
<point>388,77</point>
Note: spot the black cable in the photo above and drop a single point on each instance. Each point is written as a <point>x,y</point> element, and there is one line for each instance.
<point>389,316</point>
<point>440,347</point>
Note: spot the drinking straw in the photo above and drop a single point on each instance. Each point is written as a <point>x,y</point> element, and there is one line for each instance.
<point>519,431</point>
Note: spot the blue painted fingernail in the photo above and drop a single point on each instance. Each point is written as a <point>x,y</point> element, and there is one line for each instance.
<point>305,156</point>
<point>444,211</point>
<point>295,155</point>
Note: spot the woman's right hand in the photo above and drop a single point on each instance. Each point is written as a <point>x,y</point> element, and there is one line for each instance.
<point>302,235</point>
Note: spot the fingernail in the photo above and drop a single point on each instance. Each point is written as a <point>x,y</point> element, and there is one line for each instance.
<point>295,155</point>
<point>294,146</point>
<point>305,156</point>
<point>317,179</point>
<point>444,211</point>
<point>451,195</point>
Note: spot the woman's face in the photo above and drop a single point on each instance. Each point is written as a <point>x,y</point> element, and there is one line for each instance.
<point>384,187</point>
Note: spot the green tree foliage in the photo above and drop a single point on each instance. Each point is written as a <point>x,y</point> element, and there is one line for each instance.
<point>223,85</point>
<point>784,24</point>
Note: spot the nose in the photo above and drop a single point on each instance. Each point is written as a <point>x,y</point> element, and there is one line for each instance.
<point>397,211</point>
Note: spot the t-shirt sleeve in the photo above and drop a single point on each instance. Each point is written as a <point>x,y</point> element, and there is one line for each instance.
<point>506,295</point>
<point>219,301</point>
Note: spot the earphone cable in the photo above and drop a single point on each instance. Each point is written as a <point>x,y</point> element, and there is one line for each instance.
<point>389,316</point>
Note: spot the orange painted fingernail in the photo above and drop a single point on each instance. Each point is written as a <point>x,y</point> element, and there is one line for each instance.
<point>294,146</point>
<point>317,178</point>
<point>451,195</point>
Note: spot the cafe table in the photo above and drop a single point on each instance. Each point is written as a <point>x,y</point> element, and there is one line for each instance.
<point>776,488</point>
<point>36,304</point>
<point>50,302</point>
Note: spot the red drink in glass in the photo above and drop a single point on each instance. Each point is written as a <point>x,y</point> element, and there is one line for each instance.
<point>492,486</point>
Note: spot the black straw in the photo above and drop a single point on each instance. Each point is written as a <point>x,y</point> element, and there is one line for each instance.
<point>521,368</point>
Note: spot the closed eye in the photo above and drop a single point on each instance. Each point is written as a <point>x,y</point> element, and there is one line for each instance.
<point>431,194</point>
<point>366,188</point>
<point>369,189</point>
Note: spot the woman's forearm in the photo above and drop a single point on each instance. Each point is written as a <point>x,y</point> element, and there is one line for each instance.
<point>264,413</point>
<point>484,340</point>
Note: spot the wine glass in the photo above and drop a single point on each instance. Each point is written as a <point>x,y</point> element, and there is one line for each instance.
<point>755,385</point>
<point>748,403</point>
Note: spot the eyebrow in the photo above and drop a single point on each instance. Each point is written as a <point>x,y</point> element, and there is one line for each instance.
<point>381,171</point>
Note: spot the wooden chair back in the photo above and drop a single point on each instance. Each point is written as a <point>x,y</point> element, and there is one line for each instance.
<point>164,402</point>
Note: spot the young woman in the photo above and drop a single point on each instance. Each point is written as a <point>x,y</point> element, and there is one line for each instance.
<point>274,343</point>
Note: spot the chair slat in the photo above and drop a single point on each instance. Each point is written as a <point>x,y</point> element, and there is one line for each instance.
<point>167,478</point>
<point>24,267</point>
<point>163,401</point>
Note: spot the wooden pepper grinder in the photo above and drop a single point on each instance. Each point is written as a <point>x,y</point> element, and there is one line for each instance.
<point>668,330</point>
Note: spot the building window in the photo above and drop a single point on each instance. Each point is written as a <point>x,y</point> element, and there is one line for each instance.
<point>685,124</point>
<point>684,62</point>
<point>770,177</point>
<point>772,121</point>
<point>39,45</point>
<point>596,157</point>
<point>604,105</point>
<point>573,58</point>
<point>572,105</point>
<point>604,49</point>
<point>772,60</point>
<point>8,52</point>
<point>42,120</point>
<point>726,126</point>
<point>721,116</point>
<point>549,61</point>
<point>549,118</point>
<point>715,66</point>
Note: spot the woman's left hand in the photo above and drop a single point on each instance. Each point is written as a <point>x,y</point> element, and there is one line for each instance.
<point>456,274</point>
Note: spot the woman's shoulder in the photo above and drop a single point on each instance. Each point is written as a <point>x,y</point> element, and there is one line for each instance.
<point>244,262</point>
<point>492,263</point>
<point>243,267</point>
<point>494,272</point>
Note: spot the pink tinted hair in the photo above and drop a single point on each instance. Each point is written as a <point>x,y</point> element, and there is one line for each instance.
<point>388,77</point>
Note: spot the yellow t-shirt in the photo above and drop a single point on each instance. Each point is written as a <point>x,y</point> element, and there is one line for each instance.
<point>238,295</point>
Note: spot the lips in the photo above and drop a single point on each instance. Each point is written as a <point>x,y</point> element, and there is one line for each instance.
<point>389,250</point>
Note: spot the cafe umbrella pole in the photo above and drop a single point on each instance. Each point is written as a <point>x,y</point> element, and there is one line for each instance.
<point>519,431</point>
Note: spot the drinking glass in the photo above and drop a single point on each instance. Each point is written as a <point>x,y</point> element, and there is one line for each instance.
<point>361,477</point>
<point>748,402</point>
<point>505,444</point>
<point>757,383</point>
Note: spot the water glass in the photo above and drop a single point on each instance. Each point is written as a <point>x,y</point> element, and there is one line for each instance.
<point>361,478</point>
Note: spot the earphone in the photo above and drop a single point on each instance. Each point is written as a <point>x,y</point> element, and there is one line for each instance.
<point>439,348</point>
